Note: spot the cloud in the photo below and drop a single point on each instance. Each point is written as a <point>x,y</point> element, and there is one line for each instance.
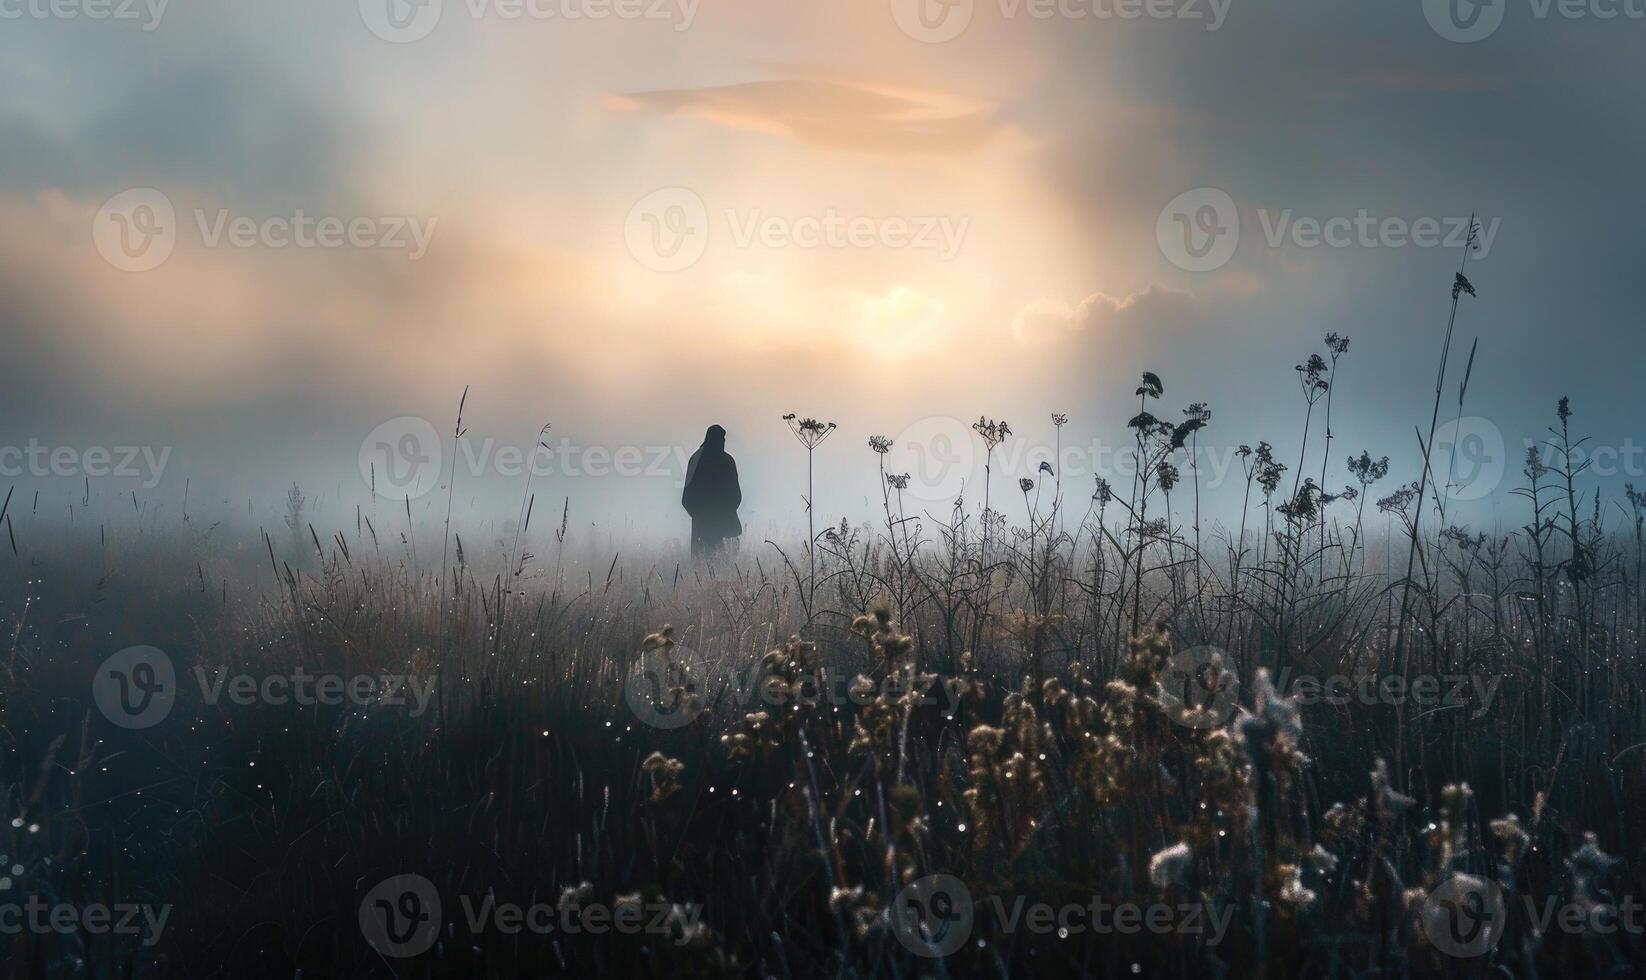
<point>1100,316</point>
<point>857,116</point>
<point>226,127</point>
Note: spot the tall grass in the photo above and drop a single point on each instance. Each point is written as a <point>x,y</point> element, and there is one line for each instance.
<point>1011,717</point>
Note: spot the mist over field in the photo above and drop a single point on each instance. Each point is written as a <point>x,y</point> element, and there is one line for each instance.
<point>879,488</point>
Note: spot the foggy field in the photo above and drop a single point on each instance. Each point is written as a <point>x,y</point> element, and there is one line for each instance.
<point>1070,737</point>
<point>849,490</point>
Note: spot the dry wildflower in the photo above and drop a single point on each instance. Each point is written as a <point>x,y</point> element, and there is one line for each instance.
<point>1009,792</point>
<point>1292,891</point>
<point>880,444</point>
<point>1272,732</point>
<point>1397,502</point>
<point>1513,837</point>
<point>994,433</point>
<point>1167,867</point>
<point>1102,493</point>
<point>1323,861</point>
<point>573,897</point>
<point>1589,865</point>
<point>1268,470</point>
<point>809,431</point>
<point>1367,470</point>
<point>861,910</point>
<point>1166,474</point>
<point>1387,803</point>
<point>893,650</point>
<point>665,775</point>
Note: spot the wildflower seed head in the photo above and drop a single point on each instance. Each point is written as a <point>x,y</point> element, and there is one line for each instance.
<point>1168,866</point>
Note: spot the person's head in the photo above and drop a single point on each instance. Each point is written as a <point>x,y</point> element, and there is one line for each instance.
<point>715,438</point>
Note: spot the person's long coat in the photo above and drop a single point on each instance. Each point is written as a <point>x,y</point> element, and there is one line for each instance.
<point>712,494</point>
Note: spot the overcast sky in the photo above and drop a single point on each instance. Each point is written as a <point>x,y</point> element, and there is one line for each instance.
<point>247,235</point>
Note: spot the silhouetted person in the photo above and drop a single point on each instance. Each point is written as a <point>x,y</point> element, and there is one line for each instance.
<point>712,495</point>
